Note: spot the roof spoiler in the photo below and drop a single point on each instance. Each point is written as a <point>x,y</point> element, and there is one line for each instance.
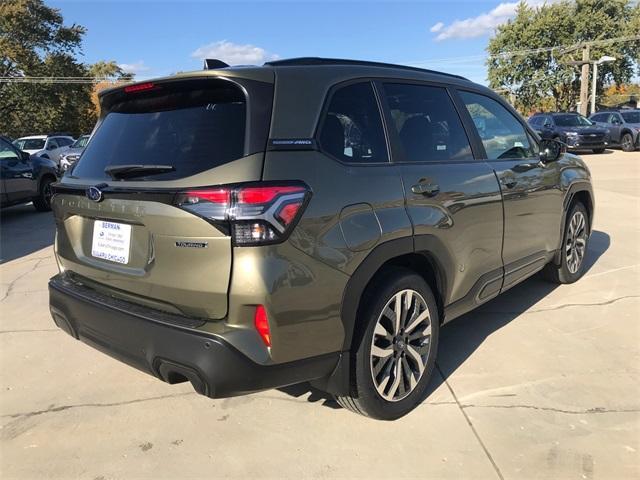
<point>214,63</point>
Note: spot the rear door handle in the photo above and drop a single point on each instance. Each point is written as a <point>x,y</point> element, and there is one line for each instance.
<point>428,189</point>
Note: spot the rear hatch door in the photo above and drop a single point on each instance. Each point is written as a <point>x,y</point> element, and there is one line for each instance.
<point>118,230</point>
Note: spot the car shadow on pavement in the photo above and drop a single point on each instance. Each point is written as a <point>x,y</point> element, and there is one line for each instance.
<point>590,152</point>
<point>24,231</point>
<point>460,338</point>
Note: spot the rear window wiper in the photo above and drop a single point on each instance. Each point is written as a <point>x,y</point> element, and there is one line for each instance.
<point>118,172</point>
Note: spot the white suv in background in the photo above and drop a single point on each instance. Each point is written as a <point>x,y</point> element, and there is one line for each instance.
<point>47,146</point>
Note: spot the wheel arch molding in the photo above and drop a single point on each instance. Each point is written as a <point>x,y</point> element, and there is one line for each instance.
<point>424,254</point>
<point>583,191</point>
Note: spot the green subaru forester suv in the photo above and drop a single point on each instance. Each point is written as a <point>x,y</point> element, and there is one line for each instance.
<point>311,219</point>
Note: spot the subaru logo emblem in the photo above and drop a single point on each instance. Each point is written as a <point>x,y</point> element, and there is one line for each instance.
<point>94,193</point>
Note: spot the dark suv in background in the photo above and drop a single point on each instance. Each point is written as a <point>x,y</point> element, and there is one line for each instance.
<point>624,127</point>
<point>307,220</point>
<point>25,178</point>
<point>576,131</point>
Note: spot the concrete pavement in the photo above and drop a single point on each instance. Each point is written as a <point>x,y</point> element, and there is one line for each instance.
<point>542,382</point>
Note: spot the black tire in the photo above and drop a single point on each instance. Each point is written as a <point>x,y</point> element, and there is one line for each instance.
<point>626,143</point>
<point>598,150</point>
<point>42,202</point>
<point>564,273</point>
<point>364,398</point>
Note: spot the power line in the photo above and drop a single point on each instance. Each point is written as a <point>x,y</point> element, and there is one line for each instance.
<point>515,53</point>
<point>76,80</point>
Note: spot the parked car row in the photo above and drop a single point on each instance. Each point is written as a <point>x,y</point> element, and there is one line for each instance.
<point>29,165</point>
<point>63,149</point>
<point>599,131</point>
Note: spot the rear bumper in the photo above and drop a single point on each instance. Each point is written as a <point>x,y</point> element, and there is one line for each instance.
<point>170,349</point>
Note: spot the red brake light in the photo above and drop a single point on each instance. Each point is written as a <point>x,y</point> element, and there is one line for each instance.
<point>261,323</point>
<point>255,195</point>
<point>138,87</point>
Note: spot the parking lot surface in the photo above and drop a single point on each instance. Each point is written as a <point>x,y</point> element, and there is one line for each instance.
<point>542,382</point>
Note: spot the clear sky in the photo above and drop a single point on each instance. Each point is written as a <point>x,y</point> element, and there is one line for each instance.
<point>152,38</point>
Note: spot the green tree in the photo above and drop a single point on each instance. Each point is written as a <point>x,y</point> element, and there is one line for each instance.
<point>108,71</point>
<point>35,43</point>
<point>522,63</point>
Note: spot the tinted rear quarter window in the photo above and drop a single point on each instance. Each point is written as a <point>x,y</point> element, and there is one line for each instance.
<point>351,130</point>
<point>427,123</point>
<point>192,130</point>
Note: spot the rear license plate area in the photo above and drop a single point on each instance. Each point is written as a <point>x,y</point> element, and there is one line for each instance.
<point>111,241</point>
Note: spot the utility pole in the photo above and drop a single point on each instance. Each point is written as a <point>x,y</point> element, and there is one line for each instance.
<point>584,81</point>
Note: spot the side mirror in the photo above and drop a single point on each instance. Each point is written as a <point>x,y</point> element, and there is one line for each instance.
<point>550,150</point>
<point>50,147</point>
<point>24,156</point>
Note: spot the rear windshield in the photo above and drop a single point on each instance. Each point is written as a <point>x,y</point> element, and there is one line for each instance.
<point>572,121</point>
<point>192,130</point>
<point>30,143</point>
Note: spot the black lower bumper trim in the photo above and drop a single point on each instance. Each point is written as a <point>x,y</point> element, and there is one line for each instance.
<point>174,354</point>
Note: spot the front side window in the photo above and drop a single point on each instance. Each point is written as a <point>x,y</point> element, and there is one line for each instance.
<point>427,123</point>
<point>29,143</point>
<point>7,152</point>
<point>81,142</point>
<point>351,130</point>
<point>52,144</point>
<point>502,135</point>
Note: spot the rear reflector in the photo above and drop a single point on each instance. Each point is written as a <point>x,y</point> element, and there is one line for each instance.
<point>261,323</point>
<point>139,87</point>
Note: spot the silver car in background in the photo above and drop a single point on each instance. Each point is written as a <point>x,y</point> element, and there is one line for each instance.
<point>45,146</point>
<point>72,154</point>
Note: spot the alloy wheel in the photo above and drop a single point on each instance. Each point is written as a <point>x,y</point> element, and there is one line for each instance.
<point>47,193</point>
<point>576,241</point>
<point>401,344</point>
<point>627,141</point>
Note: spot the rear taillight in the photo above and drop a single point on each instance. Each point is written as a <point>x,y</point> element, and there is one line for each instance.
<point>257,214</point>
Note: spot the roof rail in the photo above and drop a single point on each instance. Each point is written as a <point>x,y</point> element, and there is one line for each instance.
<point>213,63</point>
<point>302,61</point>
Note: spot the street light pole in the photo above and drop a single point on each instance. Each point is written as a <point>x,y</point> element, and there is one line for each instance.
<point>584,81</point>
<point>603,59</point>
<point>593,87</point>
